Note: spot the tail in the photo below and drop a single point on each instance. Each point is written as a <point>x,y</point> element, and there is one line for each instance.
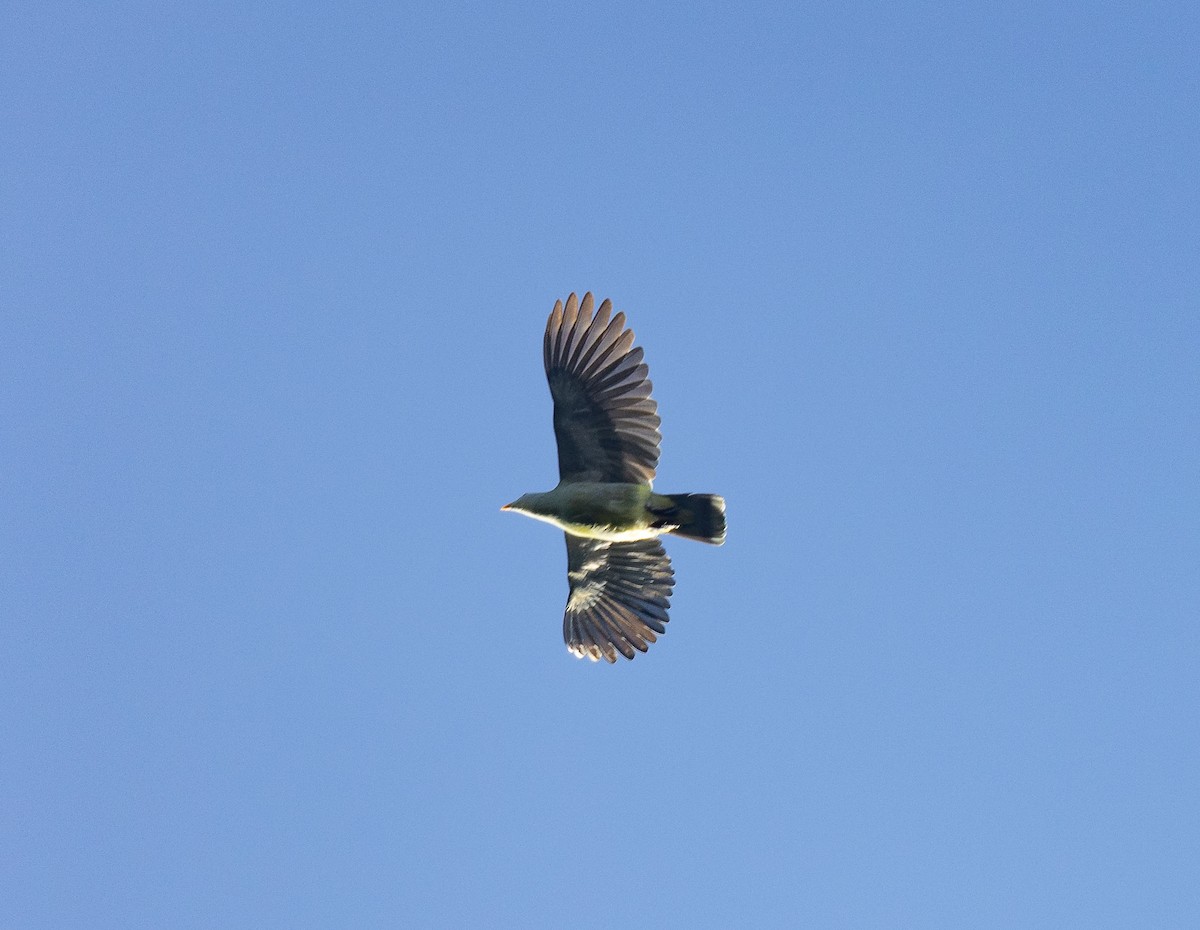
<point>695,516</point>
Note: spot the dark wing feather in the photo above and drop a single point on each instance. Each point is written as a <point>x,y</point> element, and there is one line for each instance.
<point>619,597</point>
<point>605,421</point>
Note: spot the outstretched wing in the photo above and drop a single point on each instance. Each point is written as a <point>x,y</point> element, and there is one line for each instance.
<point>605,421</point>
<point>619,596</point>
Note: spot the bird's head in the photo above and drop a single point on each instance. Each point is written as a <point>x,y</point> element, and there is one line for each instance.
<point>520,505</point>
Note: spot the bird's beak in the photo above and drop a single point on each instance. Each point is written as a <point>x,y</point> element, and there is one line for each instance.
<point>506,507</point>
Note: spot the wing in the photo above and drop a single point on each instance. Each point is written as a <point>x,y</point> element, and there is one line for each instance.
<point>605,422</point>
<point>619,597</point>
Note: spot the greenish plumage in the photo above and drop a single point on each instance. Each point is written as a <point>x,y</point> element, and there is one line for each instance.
<point>607,429</point>
<point>612,512</point>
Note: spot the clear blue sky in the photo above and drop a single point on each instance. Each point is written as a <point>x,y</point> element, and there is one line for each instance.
<point>919,289</point>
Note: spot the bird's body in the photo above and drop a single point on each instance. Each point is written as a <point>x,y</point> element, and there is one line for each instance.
<point>606,426</point>
<point>610,511</point>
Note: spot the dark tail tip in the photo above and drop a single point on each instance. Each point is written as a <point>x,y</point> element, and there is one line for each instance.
<point>700,516</point>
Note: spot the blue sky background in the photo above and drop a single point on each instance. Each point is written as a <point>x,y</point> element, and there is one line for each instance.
<point>919,290</point>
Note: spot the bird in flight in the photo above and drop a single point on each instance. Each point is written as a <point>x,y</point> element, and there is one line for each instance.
<point>606,425</point>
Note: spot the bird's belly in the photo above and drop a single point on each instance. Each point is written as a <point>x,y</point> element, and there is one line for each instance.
<point>609,533</point>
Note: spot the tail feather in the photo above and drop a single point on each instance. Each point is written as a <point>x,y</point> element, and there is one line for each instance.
<point>697,516</point>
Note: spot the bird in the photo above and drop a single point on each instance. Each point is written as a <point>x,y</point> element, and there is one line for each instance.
<point>607,428</point>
